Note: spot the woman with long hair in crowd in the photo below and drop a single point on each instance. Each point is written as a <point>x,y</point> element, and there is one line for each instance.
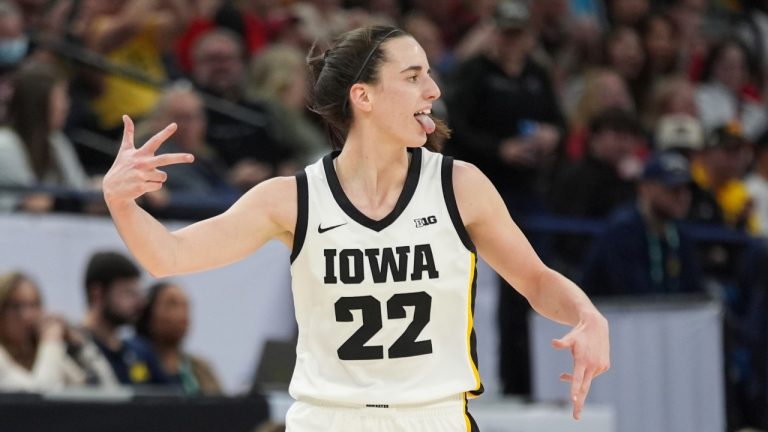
<point>33,148</point>
<point>164,323</point>
<point>33,344</point>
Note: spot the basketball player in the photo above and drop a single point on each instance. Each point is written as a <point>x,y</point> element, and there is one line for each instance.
<point>384,237</point>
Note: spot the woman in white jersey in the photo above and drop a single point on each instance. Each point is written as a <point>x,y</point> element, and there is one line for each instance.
<point>384,236</point>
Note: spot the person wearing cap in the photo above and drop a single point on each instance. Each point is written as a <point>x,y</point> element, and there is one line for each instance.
<point>506,120</point>
<point>504,111</point>
<point>718,170</point>
<point>684,134</point>
<point>681,133</point>
<point>645,250</point>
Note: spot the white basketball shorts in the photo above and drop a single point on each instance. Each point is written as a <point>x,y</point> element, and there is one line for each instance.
<point>446,415</point>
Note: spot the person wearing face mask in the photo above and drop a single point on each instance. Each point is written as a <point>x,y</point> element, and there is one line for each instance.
<point>14,44</point>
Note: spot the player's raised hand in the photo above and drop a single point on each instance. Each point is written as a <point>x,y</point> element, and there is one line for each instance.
<point>589,345</point>
<point>135,171</point>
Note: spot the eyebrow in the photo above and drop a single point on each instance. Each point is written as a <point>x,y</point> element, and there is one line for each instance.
<point>416,69</point>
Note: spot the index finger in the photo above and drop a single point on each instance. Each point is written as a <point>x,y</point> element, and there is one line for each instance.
<point>172,158</point>
<point>154,143</point>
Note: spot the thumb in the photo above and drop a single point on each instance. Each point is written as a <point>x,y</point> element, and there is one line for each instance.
<point>563,342</point>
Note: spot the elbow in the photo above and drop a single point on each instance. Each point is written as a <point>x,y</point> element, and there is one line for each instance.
<point>159,269</point>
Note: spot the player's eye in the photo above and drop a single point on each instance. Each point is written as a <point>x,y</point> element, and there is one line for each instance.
<point>413,78</point>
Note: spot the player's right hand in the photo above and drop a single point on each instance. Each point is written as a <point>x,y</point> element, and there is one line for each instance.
<point>135,171</point>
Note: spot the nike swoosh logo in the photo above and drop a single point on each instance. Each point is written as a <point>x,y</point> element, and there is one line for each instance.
<point>321,230</point>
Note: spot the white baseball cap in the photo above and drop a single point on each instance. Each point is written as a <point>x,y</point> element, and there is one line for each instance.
<point>679,131</point>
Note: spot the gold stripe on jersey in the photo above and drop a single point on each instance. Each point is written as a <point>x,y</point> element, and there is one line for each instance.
<point>466,413</point>
<point>470,323</point>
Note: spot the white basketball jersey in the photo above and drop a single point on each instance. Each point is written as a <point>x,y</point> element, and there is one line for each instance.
<point>384,308</point>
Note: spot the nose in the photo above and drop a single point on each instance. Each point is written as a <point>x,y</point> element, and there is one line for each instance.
<point>432,92</point>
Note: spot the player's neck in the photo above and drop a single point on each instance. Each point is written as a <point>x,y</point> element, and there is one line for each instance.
<point>370,167</point>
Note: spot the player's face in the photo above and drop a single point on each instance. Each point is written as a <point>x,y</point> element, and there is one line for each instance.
<point>405,88</point>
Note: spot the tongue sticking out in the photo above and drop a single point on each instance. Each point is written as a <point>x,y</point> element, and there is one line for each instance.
<point>426,122</point>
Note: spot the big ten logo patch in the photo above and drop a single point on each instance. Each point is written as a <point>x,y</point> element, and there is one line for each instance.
<point>422,222</point>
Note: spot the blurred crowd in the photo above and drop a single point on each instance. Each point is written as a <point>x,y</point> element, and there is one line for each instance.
<point>641,123</point>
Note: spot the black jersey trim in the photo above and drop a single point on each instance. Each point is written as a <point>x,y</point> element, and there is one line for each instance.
<point>302,214</point>
<point>446,176</point>
<point>411,181</point>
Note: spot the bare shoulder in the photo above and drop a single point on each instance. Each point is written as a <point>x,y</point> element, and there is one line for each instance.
<point>473,190</point>
<point>276,198</point>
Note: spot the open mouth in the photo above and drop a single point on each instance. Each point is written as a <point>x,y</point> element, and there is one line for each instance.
<point>425,119</point>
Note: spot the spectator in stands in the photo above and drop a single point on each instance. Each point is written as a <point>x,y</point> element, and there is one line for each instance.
<point>662,47</point>
<point>627,12</point>
<point>601,89</point>
<point>689,17</point>
<point>208,176</point>
<point>278,77</point>
<point>757,183</point>
<point>623,51</point>
<point>594,187</point>
<point>671,95</point>
<point>240,131</point>
<point>323,20</point>
<point>644,250</point>
<point>253,24</point>
<point>505,113</point>
<point>114,301</point>
<point>718,170</point>
<point>730,90</point>
<point>14,44</point>
<point>33,149</point>
<point>753,30</point>
<point>441,58</point>
<point>597,185</point>
<point>684,134</point>
<point>164,323</point>
<point>34,345</point>
<point>134,36</point>
<point>679,133</point>
<point>662,54</point>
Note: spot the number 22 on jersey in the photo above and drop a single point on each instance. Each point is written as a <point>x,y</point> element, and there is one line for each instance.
<point>405,346</point>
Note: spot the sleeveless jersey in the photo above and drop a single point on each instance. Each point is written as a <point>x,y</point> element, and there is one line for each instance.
<point>384,308</point>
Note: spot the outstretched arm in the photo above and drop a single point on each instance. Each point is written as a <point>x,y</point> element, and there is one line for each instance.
<point>501,243</point>
<point>267,211</point>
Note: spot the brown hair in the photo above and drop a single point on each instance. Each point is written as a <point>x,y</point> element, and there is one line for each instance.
<point>8,283</point>
<point>356,56</point>
<point>29,112</point>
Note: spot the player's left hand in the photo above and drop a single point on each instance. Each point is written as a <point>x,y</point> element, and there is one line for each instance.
<point>590,347</point>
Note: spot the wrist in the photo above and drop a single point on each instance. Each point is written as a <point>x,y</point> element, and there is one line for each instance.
<point>116,203</point>
<point>590,316</point>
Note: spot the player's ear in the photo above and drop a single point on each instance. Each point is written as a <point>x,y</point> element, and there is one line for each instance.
<point>360,96</point>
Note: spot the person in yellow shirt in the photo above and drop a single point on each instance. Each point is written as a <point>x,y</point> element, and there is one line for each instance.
<point>132,35</point>
<point>718,169</point>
